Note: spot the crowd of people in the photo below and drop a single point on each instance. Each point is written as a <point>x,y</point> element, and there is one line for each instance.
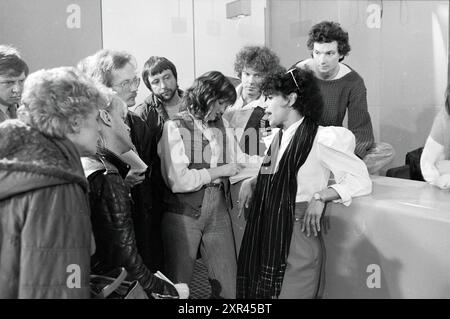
<point>89,178</point>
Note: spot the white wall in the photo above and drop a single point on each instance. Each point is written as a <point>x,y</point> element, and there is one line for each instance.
<point>218,39</point>
<point>166,28</point>
<point>404,63</point>
<point>145,28</point>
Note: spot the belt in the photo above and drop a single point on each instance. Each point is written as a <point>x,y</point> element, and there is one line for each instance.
<point>219,185</point>
<point>225,185</point>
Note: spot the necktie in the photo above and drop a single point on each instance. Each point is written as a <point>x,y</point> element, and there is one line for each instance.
<point>271,158</point>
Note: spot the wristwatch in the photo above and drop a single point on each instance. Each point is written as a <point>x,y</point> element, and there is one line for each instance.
<point>318,197</point>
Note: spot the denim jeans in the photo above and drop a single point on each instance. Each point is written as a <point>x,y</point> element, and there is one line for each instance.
<point>212,232</point>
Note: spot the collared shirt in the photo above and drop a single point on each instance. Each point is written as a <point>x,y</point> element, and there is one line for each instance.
<point>239,113</point>
<point>175,162</point>
<point>332,152</point>
<point>7,113</point>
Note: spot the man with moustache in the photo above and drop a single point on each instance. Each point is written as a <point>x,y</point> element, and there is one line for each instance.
<point>161,78</point>
<point>13,71</point>
<point>164,102</point>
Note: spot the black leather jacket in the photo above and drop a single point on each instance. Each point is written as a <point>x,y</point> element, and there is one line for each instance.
<point>112,224</point>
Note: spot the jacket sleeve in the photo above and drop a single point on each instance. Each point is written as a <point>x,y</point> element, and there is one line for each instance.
<point>113,226</point>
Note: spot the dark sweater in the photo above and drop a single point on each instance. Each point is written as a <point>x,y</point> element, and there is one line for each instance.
<point>348,92</point>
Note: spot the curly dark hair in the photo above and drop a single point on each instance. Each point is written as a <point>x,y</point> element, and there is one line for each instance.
<point>329,31</point>
<point>309,101</point>
<point>259,58</point>
<point>207,89</point>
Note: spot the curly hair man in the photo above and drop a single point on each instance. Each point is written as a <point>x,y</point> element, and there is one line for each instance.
<point>343,91</point>
<point>252,65</point>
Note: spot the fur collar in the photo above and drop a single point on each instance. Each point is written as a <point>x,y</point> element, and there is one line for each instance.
<point>24,149</point>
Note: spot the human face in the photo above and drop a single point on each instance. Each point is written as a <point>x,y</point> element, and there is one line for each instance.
<point>164,85</point>
<point>251,83</point>
<point>216,110</point>
<point>277,110</point>
<point>120,128</point>
<point>326,59</point>
<point>86,133</point>
<point>11,88</point>
<point>125,82</point>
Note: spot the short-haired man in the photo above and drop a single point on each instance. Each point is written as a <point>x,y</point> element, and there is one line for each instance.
<point>246,116</point>
<point>343,89</point>
<point>117,70</point>
<point>13,71</point>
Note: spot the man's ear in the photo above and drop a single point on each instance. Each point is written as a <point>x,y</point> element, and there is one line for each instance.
<point>105,117</point>
<point>292,97</point>
<point>75,123</point>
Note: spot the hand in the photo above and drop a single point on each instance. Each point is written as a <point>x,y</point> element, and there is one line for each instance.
<point>231,169</point>
<point>134,177</point>
<point>443,181</point>
<point>162,289</point>
<point>311,222</point>
<point>246,194</point>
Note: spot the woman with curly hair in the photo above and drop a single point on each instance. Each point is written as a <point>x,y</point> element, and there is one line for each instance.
<point>45,229</point>
<point>279,257</point>
<point>197,158</point>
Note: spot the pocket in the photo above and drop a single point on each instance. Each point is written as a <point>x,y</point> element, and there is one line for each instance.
<point>309,247</point>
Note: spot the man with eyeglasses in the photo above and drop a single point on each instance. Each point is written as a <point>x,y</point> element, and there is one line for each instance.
<point>118,70</point>
<point>13,71</point>
<point>343,91</point>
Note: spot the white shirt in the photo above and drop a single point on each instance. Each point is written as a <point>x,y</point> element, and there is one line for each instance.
<point>309,64</point>
<point>174,161</point>
<point>332,152</point>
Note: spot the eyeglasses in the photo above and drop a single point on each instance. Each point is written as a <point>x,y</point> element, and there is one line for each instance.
<point>128,84</point>
<point>291,72</point>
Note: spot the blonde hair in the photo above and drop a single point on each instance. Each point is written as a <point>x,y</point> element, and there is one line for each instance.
<point>54,97</point>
